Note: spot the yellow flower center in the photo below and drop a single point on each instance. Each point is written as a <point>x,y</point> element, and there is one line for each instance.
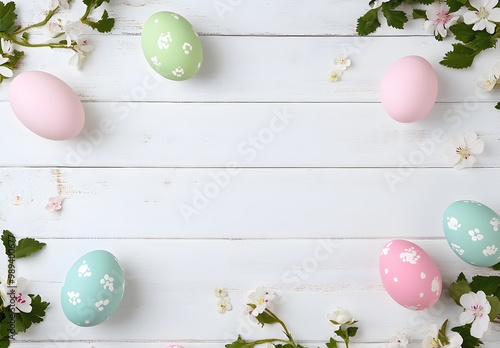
<point>483,13</point>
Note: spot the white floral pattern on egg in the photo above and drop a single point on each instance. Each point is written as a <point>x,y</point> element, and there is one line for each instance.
<point>409,275</point>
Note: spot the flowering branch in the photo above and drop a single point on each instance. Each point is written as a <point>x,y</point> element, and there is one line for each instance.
<point>12,34</point>
<point>18,309</point>
<point>259,311</point>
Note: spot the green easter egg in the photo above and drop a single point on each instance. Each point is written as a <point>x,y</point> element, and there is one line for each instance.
<point>92,289</point>
<point>171,46</point>
<point>472,231</point>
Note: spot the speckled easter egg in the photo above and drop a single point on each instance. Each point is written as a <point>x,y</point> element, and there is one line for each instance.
<point>171,46</point>
<point>472,231</point>
<point>92,289</point>
<point>409,89</point>
<point>46,105</point>
<point>409,275</point>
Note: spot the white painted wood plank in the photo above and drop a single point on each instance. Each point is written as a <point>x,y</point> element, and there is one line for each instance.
<point>253,135</point>
<point>169,292</point>
<point>239,17</point>
<point>257,69</point>
<point>254,203</point>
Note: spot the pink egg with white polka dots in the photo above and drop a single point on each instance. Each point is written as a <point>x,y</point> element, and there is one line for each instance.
<point>409,275</point>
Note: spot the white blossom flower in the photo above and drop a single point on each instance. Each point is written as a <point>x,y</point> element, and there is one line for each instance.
<point>261,298</point>
<point>432,341</point>
<point>64,4</point>
<point>377,3</point>
<point>16,296</point>
<point>340,318</point>
<point>485,16</point>
<point>462,150</point>
<point>6,46</point>
<point>224,305</point>
<point>82,49</point>
<point>335,75</point>
<point>489,84</point>
<point>440,19</point>
<point>398,341</point>
<point>71,30</point>
<point>4,71</point>
<point>54,204</point>
<point>342,62</point>
<point>476,312</point>
<point>220,292</point>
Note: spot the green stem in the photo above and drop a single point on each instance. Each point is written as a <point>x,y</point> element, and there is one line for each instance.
<point>51,45</point>
<point>39,24</point>
<point>86,14</point>
<point>269,340</point>
<point>287,333</point>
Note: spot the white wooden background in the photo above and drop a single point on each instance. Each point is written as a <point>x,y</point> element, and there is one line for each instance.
<point>314,197</point>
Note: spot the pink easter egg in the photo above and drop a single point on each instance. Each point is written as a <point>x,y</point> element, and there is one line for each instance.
<point>46,105</point>
<point>409,275</point>
<point>409,89</point>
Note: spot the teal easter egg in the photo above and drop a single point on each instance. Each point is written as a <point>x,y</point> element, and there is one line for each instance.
<point>171,46</point>
<point>472,231</point>
<point>92,289</point>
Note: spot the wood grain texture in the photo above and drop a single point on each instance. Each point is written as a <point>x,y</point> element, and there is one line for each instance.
<point>258,171</point>
<point>253,203</point>
<point>259,69</point>
<point>273,135</point>
<point>170,285</point>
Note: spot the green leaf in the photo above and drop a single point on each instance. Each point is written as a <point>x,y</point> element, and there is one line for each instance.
<point>483,41</point>
<point>28,246</point>
<point>104,25</point>
<point>419,14</point>
<point>395,19</point>
<point>9,242</point>
<point>265,318</point>
<point>489,284</point>
<point>454,5</point>
<point>426,2</point>
<point>463,32</point>
<point>7,15</point>
<point>462,276</point>
<point>443,339</point>
<point>368,23</point>
<point>14,59</point>
<point>459,288</point>
<point>469,340</point>
<point>4,343</point>
<point>332,343</point>
<point>36,315</point>
<point>495,307</point>
<point>497,266</point>
<point>461,57</point>
<point>352,331</point>
<point>239,343</point>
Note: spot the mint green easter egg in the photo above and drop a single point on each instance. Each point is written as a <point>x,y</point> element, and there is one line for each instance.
<point>472,231</point>
<point>92,289</point>
<point>171,46</point>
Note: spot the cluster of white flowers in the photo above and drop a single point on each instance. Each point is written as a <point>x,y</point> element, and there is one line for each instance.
<point>7,49</point>
<point>341,62</point>
<point>223,301</point>
<point>16,297</point>
<point>71,32</point>
<point>440,19</point>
